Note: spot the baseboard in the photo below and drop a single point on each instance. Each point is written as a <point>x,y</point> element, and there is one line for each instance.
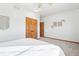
<point>62,40</point>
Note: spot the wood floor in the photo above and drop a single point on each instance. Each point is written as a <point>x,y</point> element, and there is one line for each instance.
<point>70,49</point>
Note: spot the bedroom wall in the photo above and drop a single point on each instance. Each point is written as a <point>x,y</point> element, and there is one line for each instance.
<point>69,29</point>
<point>17,25</point>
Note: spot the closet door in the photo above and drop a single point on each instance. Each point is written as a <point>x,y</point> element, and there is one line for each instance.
<point>28,27</point>
<point>34,28</point>
<point>31,28</point>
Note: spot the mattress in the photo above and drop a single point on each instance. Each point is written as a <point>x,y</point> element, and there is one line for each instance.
<point>29,47</point>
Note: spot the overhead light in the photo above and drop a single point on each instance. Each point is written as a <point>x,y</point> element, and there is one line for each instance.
<point>40,5</point>
<point>38,8</point>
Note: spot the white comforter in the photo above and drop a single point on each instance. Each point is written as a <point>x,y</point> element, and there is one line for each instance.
<point>25,47</point>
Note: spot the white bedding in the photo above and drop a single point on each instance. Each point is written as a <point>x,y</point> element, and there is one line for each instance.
<point>29,47</point>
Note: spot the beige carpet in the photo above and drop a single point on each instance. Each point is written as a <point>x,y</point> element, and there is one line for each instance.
<point>70,49</point>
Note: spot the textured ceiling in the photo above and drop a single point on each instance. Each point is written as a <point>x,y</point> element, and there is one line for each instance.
<point>45,8</point>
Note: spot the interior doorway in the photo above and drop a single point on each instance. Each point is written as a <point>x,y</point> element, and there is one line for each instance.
<point>41,29</point>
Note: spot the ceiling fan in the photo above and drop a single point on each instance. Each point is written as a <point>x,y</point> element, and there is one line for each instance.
<point>39,8</point>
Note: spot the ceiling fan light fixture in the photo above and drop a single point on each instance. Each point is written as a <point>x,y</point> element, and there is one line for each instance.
<point>37,10</point>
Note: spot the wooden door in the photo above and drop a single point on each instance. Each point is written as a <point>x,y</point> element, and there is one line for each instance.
<point>28,25</point>
<point>31,28</point>
<point>34,28</point>
<point>41,29</point>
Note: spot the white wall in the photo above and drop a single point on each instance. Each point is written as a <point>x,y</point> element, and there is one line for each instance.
<point>68,31</point>
<point>17,22</point>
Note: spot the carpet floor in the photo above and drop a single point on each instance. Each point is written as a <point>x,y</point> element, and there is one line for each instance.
<point>70,49</point>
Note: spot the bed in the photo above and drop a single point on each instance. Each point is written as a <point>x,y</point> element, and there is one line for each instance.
<point>29,47</point>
